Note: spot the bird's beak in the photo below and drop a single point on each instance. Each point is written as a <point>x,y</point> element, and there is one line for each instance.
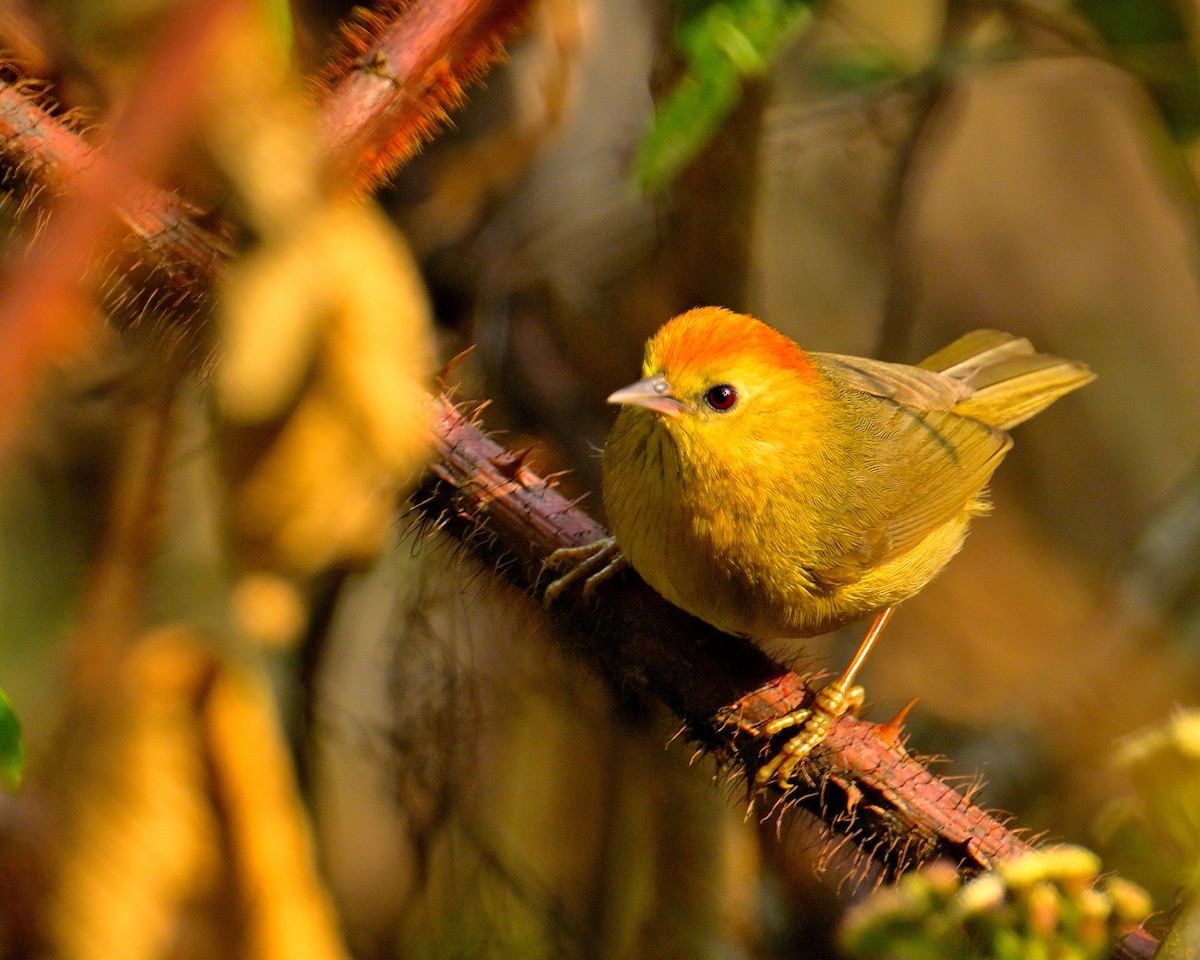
<point>653,393</point>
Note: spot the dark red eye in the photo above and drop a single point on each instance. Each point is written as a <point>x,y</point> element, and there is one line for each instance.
<point>721,397</point>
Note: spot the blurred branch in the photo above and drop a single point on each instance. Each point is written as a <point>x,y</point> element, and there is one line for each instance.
<point>397,75</point>
<point>173,260</point>
<point>412,66</point>
<point>1148,40</point>
<point>180,257</point>
<point>895,328</point>
<point>111,614</point>
<point>931,91</point>
<point>45,303</point>
<point>862,782</point>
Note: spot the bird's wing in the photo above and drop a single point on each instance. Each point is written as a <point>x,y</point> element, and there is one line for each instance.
<point>912,386</point>
<point>977,351</point>
<point>919,465</point>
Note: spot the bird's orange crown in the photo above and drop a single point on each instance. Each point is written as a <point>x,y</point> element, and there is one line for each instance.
<point>708,337</point>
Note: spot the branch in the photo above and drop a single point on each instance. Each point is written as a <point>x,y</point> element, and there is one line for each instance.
<point>45,297</point>
<point>398,74</point>
<point>388,91</point>
<point>861,782</point>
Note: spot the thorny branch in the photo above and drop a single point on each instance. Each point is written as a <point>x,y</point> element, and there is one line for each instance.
<point>861,781</point>
<point>43,306</point>
<point>392,85</point>
<point>387,92</point>
<point>724,687</point>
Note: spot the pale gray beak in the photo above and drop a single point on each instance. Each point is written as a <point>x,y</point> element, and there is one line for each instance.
<point>653,393</point>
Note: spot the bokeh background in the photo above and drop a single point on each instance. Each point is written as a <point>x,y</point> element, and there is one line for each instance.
<point>268,713</point>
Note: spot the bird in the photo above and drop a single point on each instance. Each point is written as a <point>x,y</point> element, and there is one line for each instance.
<point>775,492</point>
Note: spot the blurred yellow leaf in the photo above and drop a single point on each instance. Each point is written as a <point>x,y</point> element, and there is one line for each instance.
<point>268,608</point>
<point>343,282</point>
<point>325,349</point>
<point>286,913</point>
<point>140,839</point>
<point>315,495</point>
<point>176,783</point>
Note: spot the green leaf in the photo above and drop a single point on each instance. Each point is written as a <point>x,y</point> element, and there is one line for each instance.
<point>684,122</point>
<point>12,747</point>
<point>722,42</point>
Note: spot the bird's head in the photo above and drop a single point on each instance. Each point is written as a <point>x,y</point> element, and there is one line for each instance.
<point>714,371</point>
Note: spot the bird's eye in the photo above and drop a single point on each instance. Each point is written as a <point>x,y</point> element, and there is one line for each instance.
<point>722,397</point>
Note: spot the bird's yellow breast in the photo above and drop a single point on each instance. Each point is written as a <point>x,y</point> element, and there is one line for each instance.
<point>733,536</point>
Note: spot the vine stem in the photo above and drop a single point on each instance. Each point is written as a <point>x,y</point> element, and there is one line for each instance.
<point>397,76</point>
<point>45,302</point>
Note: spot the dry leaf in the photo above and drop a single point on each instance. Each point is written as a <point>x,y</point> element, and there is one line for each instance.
<point>286,912</point>
<point>326,347</point>
<point>140,838</point>
<point>183,827</point>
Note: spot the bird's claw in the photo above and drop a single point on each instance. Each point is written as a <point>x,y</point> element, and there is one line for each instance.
<point>815,722</point>
<point>595,561</point>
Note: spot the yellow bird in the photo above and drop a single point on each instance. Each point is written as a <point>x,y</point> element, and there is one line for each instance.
<point>778,493</point>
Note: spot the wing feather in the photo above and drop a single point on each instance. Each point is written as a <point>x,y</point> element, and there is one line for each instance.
<point>912,386</point>
<point>920,465</point>
<point>974,351</point>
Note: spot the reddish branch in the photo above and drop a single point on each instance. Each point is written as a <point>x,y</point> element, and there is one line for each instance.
<point>52,151</point>
<point>49,154</point>
<point>399,72</point>
<point>45,304</point>
<point>724,687</point>
<point>861,781</point>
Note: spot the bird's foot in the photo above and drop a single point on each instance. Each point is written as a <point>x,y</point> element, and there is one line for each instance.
<point>595,562</point>
<point>815,722</point>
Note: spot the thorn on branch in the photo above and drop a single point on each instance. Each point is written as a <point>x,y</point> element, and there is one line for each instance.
<point>513,465</point>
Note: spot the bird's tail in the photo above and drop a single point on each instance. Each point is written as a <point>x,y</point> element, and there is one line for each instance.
<point>1012,381</point>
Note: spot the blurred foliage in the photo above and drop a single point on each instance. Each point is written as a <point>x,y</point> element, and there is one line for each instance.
<point>180,819</point>
<point>325,334</point>
<point>280,24</point>
<point>1050,904</point>
<point>1158,821</point>
<point>722,43</point>
<point>12,746</point>
<point>176,807</point>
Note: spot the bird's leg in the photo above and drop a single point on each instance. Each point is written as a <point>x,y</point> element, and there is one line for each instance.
<point>597,561</point>
<point>834,699</point>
